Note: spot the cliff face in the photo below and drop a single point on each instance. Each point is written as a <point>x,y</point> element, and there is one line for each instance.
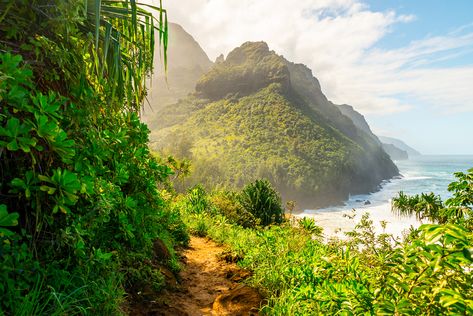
<point>255,114</point>
<point>358,119</point>
<point>395,148</point>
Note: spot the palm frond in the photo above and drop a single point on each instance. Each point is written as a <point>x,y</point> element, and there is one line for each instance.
<point>125,42</point>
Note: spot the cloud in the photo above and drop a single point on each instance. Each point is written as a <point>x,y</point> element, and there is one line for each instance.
<point>337,40</point>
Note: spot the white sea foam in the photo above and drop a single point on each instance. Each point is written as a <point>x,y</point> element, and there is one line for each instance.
<point>420,174</point>
<point>411,178</point>
<point>337,223</point>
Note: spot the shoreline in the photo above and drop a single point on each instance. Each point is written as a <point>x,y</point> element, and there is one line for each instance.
<point>336,223</point>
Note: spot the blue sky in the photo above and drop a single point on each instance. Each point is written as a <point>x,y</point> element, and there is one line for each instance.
<point>436,132</point>
<point>406,65</point>
<point>432,17</point>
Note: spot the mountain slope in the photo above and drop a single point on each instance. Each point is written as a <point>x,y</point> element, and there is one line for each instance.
<point>357,119</point>
<point>394,152</point>
<point>256,115</point>
<point>187,61</point>
<point>399,144</point>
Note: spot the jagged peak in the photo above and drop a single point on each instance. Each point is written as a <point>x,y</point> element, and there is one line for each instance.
<point>253,51</point>
<point>247,68</point>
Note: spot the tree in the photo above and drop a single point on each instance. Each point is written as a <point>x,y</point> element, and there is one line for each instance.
<point>456,210</point>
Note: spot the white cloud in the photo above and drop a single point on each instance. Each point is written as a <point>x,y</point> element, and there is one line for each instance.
<point>336,39</point>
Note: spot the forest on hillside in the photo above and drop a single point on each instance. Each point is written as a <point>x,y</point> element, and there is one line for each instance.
<point>256,115</point>
<point>91,223</point>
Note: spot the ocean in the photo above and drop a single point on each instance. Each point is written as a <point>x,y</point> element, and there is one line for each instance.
<point>419,174</point>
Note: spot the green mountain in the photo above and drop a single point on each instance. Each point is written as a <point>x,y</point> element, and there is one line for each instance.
<point>396,149</point>
<point>257,115</point>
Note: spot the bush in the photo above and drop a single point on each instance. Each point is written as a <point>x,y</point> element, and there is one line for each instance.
<point>262,201</point>
<point>310,226</point>
<point>197,200</point>
<point>228,205</point>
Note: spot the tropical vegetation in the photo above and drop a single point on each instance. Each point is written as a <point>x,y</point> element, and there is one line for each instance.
<point>80,209</point>
<point>301,272</point>
<point>91,218</point>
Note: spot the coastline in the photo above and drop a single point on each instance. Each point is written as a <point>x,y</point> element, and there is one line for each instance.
<point>336,223</point>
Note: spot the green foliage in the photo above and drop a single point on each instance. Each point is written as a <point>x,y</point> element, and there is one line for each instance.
<point>263,202</point>
<point>7,220</point>
<point>457,209</point>
<point>227,203</point>
<point>309,225</point>
<point>429,272</point>
<point>75,164</point>
<point>197,200</point>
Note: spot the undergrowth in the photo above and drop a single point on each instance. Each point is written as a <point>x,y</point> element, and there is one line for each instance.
<point>426,273</point>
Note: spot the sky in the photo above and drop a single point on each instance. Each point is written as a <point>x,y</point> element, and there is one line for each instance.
<point>406,65</point>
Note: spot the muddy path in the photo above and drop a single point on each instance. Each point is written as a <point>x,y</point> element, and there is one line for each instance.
<point>207,285</point>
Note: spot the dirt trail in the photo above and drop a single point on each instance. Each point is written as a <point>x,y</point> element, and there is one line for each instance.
<point>208,286</point>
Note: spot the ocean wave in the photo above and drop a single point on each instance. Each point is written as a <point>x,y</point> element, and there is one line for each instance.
<point>410,178</point>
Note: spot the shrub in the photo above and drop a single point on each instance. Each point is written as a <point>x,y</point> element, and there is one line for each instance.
<point>228,205</point>
<point>262,201</point>
<point>197,201</point>
<point>310,226</point>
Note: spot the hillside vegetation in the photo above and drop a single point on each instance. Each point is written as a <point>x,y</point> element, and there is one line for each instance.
<point>301,272</point>
<point>256,115</point>
<point>90,223</point>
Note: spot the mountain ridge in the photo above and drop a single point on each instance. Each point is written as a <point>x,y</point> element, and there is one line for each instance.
<point>400,144</point>
<point>255,114</point>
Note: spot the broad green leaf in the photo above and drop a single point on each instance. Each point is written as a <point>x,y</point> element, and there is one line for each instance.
<point>7,219</point>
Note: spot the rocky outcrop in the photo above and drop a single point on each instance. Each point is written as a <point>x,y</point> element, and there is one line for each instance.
<point>246,70</point>
<point>241,300</point>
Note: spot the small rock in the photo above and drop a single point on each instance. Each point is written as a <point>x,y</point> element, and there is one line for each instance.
<point>241,300</point>
<point>161,252</point>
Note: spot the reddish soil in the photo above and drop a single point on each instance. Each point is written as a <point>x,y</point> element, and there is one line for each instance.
<point>208,286</point>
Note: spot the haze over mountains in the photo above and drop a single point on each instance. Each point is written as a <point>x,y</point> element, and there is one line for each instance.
<point>187,61</point>
<point>256,114</point>
<point>411,152</point>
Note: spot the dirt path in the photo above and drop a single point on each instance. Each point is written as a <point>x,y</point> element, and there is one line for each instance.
<point>208,286</point>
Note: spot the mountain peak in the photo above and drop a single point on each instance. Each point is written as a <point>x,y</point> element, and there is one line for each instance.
<point>256,114</point>
<point>253,51</point>
<point>247,68</point>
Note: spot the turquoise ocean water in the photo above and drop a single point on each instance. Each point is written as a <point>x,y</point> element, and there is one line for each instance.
<point>419,174</point>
